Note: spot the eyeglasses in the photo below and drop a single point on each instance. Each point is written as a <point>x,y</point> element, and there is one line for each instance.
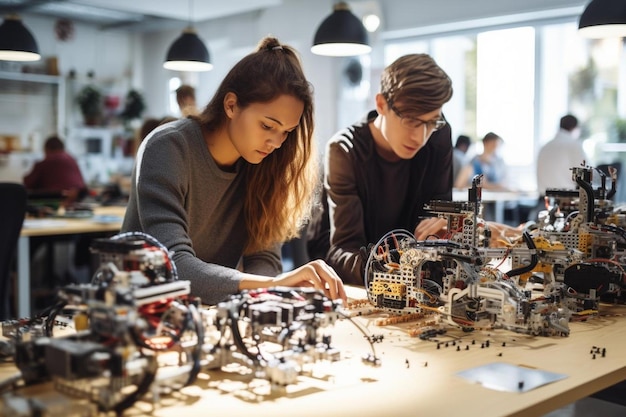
<point>430,126</point>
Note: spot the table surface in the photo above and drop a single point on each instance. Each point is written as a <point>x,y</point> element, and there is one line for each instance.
<point>104,219</point>
<point>416,377</point>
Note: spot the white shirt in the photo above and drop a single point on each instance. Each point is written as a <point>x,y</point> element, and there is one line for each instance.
<point>556,160</point>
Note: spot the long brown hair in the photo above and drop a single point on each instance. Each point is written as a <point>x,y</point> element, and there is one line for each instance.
<point>280,188</point>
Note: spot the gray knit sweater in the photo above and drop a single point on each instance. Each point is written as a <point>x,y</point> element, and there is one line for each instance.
<point>185,201</point>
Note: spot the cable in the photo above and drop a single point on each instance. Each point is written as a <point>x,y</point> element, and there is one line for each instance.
<point>153,241</point>
<point>534,259</point>
<point>365,334</point>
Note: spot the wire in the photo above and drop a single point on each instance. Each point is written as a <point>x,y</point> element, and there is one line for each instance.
<point>534,258</point>
<point>365,333</point>
<point>153,241</point>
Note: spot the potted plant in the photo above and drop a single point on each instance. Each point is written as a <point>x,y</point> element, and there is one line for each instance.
<point>134,106</point>
<point>90,102</point>
<point>620,129</point>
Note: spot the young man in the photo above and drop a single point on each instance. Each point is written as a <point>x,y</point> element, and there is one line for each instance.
<point>380,172</point>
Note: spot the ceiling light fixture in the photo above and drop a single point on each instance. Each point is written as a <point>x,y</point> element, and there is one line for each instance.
<point>16,41</point>
<point>341,34</point>
<point>371,22</point>
<point>603,19</point>
<point>188,52</point>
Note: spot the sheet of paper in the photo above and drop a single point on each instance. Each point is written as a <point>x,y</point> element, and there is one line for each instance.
<point>506,377</point>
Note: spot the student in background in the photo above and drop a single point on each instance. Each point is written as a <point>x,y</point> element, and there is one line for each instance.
<point>489,163</point>
<point>119,186</point>
<point>459,155</point>
<point>186,99</point>
<point>223,190</point>
<point>557,157</point>
<point>58,173</point>
<point>56,177</point>
<point>148,126</point>
<point>381,171</point>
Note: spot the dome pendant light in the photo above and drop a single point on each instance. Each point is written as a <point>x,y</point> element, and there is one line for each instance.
<point>603,19</point>
<point>188,52</point>
<point>341,34</point>
<point>16,41</point>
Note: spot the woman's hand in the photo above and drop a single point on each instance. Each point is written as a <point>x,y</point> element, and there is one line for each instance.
<point>317,274</point>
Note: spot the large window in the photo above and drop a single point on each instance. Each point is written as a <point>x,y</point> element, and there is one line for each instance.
<point>173,84</point>
<point>519,81</point>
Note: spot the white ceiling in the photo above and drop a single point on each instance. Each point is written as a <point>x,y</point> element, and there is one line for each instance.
<point>135,14</point>
<point>200,9</point>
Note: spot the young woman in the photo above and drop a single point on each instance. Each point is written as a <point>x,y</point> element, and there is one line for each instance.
<point>224,189</point>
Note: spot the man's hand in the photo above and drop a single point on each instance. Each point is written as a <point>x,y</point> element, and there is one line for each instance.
<point>432,227</point>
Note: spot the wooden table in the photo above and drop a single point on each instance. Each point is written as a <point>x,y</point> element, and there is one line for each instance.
<point>416,377</point>
<point>105,219</point>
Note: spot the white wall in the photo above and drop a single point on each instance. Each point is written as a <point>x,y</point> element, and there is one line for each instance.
<point>108,53</point>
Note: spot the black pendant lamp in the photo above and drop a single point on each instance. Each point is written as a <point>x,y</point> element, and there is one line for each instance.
<point>188,52</point>
<point>603,19</point>
<point>341,34</point>
<point>16,41</point>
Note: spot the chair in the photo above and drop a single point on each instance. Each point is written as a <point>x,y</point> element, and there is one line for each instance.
<point>12,213</point>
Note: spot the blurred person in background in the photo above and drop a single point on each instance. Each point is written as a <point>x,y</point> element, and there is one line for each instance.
<point>459,155</point>
<point>186,99</point>
<point>488,163</point>
<point>58,173</point>
<point>557,157</point>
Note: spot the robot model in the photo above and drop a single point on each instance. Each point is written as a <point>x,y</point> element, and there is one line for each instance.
<point>135,330</point>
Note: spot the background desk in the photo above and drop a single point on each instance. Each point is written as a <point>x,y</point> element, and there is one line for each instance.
<point>57,227</point>
<point>499,198</point>
<point>416,378</point>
